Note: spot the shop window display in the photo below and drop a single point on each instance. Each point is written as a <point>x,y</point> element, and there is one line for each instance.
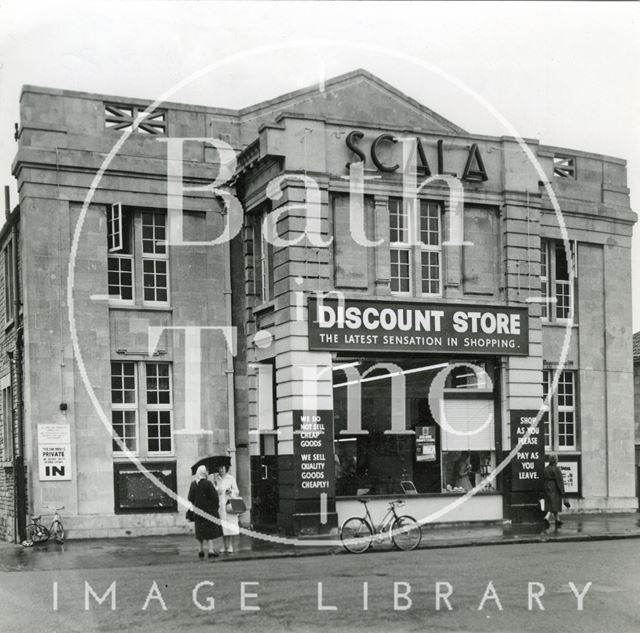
<point>387,438</point>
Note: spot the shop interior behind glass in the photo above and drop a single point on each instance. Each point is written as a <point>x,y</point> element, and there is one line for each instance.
<point>377,452</point>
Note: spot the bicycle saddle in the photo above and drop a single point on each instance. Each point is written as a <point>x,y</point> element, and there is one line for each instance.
<point>365,501</point>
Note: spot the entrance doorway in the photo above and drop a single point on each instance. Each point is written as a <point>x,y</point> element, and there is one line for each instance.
<point>264,484</point>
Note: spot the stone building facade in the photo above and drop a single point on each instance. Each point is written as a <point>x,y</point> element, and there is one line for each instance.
<point>123,282</point>
<point>514,255</point>
<point>511,318</point>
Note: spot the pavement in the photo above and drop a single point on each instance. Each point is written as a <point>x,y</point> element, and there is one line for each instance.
<point>146,551</point>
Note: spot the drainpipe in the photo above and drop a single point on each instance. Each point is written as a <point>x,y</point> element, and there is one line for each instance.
<point>18,462</point>
<point>229,370</point>
<point>15,358</point>
<point>21,492</point>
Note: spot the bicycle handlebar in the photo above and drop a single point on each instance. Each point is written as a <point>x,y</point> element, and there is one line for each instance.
<point>395,502</point>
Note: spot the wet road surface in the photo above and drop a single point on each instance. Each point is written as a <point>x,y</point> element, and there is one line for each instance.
<point>486,588</point>
<point>155,550</point>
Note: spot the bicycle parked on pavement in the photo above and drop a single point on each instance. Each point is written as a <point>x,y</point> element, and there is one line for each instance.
<point>358,533</point>
<point>38,533</point>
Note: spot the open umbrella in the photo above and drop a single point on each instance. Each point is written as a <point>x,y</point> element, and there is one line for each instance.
<point>212,463</point>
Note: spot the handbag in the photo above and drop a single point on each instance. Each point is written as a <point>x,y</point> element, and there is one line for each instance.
<point>566,503</point>
<point>236,505</point>
<point>190,516</point>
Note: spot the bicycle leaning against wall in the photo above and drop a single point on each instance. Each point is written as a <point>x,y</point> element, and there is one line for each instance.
<point>38,533</point>
<point>357,533</point>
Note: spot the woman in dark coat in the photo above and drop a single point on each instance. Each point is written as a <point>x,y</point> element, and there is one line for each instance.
<point>553,490</point>
<point>203,496</point>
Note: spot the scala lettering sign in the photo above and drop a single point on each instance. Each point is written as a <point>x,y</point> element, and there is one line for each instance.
<point>527,466</point>
<point>313,451</point>
<point>360,325</point>
<point>474,169</point>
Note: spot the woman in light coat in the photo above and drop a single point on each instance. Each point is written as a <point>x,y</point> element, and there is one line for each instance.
<point>227,488</point>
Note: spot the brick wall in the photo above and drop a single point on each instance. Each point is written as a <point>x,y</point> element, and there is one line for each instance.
<point>7,377</point>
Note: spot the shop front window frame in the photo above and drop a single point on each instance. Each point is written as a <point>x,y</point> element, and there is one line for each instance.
<point>428,479</point>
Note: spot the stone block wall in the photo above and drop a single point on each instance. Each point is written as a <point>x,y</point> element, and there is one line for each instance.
<point>595,210</point>
<point>63,142</point>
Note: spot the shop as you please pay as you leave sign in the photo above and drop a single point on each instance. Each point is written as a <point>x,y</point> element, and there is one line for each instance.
<point>392,326</point>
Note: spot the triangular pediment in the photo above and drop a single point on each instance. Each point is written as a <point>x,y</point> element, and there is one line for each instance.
<point>356,97</point>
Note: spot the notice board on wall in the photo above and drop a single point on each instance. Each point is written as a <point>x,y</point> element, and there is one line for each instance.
<point>54,452</point>
<point>313,453</point>
<point>136,492</point>
<point>569,466</point>
<point>527,466</point>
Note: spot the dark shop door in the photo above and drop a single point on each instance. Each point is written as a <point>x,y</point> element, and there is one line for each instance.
<point>264,484</point>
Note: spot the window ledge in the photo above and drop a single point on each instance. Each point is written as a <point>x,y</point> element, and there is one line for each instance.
<point>139,308</point>
<point>420,495</point>
<point>467,394</point>
<point>147,511</point>
<point>267,306</point>
<point>6,464</point>
<point>558,324</point>
<point>120,459</point>
<point>408,297</point>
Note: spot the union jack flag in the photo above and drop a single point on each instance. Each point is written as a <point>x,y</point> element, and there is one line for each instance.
<point>125,117</point>
<point>564,167</point>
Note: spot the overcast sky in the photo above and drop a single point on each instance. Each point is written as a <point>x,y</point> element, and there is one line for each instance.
<point>566,74</point>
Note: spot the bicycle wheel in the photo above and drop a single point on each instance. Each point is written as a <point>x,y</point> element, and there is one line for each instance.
<point>406,533</point>
<point>356,535</point>
<point>38,534</point>
<point>58,532</point>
